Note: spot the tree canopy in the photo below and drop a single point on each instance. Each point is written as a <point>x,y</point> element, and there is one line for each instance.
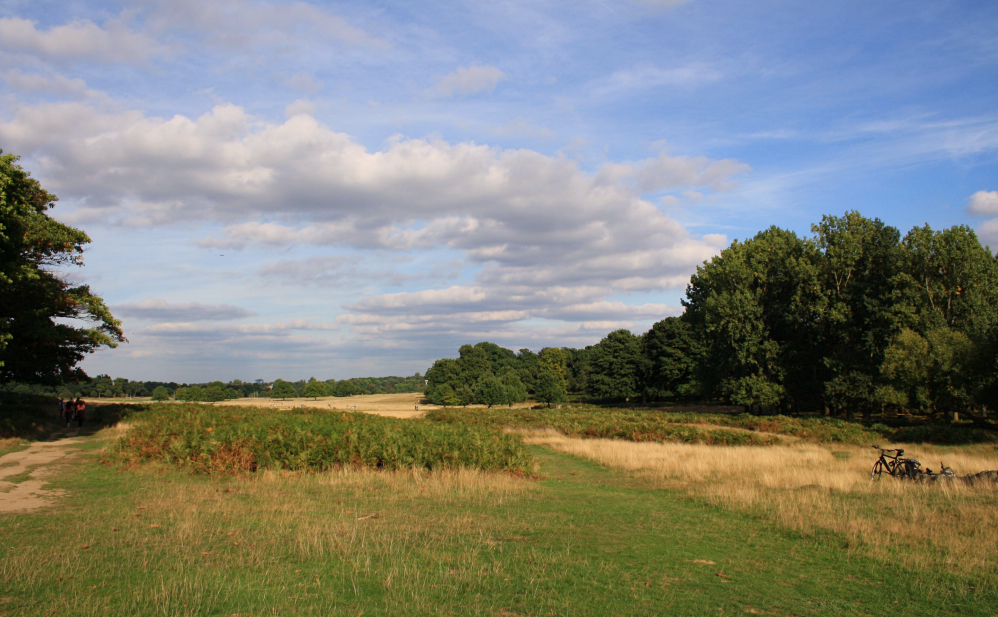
<point>37,345</point>
<point>852,319</point>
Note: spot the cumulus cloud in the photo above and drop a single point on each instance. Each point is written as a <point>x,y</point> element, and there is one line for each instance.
<point>299,107</point>
<point>79,40</point>
<point>468,80</point>
<point>161,310</point>
<point>52,84</point>
<point>199,331</point>
<point>548,239</point>
<point>983,203</point>
<point>988,234</point>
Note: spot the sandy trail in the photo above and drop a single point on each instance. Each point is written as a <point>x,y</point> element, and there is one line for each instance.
<point>36,461</point>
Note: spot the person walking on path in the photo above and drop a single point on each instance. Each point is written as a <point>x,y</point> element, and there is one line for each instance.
<point>81,411</point>
<point>68,411</point>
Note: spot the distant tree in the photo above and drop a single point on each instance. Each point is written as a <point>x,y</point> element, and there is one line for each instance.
<point>513,389</point>
<point>160,393</point>
<point>488,390</point>
<point>192,394</point>
<point>615,367</point>
<point>314,389</point>
<point>444,395</point>
<point>345,387</point>
<point>549,388</point>
<point>283,390</point>
<point>444,379</point>
<point>673,357</point>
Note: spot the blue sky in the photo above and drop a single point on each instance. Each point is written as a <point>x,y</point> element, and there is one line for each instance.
<point>288,189</point>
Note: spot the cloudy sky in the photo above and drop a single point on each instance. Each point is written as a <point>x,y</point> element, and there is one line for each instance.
<point>288,189</point>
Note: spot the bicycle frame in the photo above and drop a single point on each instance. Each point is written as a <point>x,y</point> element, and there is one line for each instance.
<point>894,465</point>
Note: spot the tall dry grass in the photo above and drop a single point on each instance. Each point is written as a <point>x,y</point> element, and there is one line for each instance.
<point>807,487</point>
<point>278,530</point>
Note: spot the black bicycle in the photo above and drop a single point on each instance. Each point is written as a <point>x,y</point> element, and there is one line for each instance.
<point>895,465</point>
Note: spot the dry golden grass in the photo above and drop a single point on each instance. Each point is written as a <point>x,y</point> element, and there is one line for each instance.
<point>385,525</point>
<point>393,405</point>
<point>806,486</point>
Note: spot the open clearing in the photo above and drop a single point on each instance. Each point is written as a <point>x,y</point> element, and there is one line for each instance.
<point>393,405</point>
<point>607,527</point>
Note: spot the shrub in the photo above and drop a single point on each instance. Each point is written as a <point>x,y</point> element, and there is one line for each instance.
<point>227,439</point>
<point>599,423</point>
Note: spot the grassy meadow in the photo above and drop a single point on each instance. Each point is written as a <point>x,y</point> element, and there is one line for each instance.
<point>596,527</point>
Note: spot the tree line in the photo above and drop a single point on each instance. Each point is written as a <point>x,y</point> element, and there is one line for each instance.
<point>852,319</point>
<point>104,386</point>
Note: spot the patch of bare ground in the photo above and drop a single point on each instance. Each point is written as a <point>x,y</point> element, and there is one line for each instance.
<point>22,475</point>
<point>807,487</point>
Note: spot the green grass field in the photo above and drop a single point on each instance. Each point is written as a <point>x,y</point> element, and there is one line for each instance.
<point>578,539</point>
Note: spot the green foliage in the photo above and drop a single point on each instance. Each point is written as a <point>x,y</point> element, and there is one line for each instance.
<point>599,423</point>
<point>160,393</point>
<point>228,439</point>
<point>549,388</point>
<point>346,388</point>
<point>673,356</point>
<point>489,391</point>
<point>689,427</point>
<point>616,366</point>
<point>315,389</point>
<point>37,344</point>
<point>283,390</point>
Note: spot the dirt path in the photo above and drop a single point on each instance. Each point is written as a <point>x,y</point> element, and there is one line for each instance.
<point>22,484</point>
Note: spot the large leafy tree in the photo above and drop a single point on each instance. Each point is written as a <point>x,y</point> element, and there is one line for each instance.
<point>37,344</point>
<point>859,259</point>
<point>615,367</point>
<point>756,306</point>
<point>673,356</point>
<point>283,390</point>
<point>314,388</point>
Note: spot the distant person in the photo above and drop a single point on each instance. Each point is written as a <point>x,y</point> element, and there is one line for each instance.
<point>68,410</point>
<point>81,411</point>
<point>62,408</point>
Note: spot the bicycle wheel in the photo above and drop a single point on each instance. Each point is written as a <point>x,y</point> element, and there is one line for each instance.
<point>878,468</point>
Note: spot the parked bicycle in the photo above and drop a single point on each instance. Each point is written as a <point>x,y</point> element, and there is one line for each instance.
<point>895,465</point>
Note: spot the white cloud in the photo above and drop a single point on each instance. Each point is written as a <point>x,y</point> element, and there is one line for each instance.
<point>79,40</point>
<point>549,240</point>
<point>248,24</point>
<point>54,84</point>
<point>983,203</point>
<point>199,331</point>
<point>161,310</point>
<point>988,234</point>
<point>299,107</point>
<point>306,82</point>
<point>468,80</point>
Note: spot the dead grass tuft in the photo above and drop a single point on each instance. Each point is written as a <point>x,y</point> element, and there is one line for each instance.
<point>806,487</point>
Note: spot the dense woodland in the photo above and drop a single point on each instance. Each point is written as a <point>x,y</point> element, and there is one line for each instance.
<point>854,319</point>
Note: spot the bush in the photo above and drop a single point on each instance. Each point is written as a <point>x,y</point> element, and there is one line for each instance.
<point>160,393</point>
<point>600,423</point>
<point>227,439</point>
